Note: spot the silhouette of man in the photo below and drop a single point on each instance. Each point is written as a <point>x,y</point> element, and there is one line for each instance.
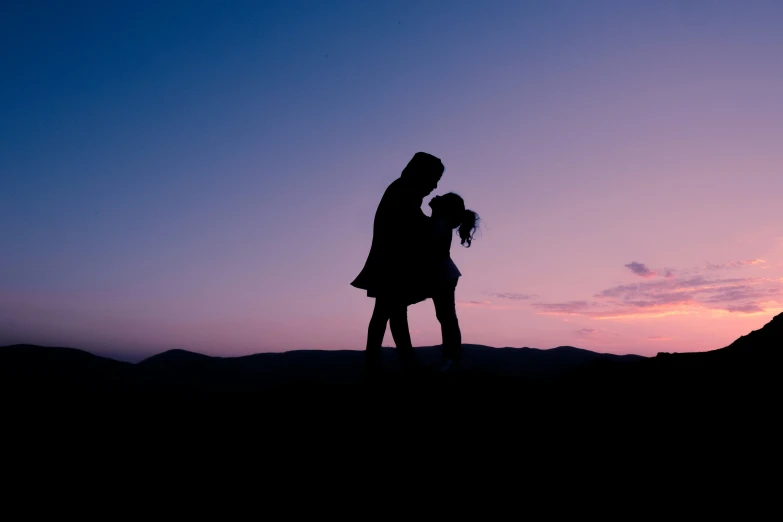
<point>395,272</point>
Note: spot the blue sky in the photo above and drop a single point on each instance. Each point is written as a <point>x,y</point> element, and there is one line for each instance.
<point>203,175</point>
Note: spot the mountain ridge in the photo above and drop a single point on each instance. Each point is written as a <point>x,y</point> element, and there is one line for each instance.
<point>751,359</point>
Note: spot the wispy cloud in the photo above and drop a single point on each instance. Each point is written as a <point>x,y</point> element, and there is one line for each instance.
<point>513,296</point>
<point>743,293</point>
<point>732,264</point>
<point>570,307</point>
<point>482,304</point>
<point>748,308</point>
<point>640,269</point>
<point>659,338</point>
<point>664,292</point>
<point>586,331</point>
<point>672,296</point>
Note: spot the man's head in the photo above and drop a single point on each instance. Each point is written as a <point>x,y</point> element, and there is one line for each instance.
<point>423,171</point>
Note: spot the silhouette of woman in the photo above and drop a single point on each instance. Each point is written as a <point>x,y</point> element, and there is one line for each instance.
<point>448,213</point>
<point>397,267</point>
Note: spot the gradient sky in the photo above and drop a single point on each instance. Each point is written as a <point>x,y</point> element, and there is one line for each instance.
<point>204,175</point>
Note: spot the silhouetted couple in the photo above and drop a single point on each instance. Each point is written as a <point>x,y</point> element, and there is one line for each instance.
<point>409,262</point>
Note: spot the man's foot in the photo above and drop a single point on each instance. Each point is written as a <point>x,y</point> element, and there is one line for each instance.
<point>373,367</point>
<point>449,366</point>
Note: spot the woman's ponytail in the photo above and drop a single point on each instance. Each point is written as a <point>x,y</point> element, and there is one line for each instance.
<point>468,226</point>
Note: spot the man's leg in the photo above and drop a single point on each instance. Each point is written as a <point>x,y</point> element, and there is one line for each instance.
<point>398,323</point>
<point>375,333</point>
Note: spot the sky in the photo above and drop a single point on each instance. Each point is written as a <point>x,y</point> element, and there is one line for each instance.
<point>204,175</point>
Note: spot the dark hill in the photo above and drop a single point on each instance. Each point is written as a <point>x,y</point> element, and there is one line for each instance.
<point>36,368</point>
<point>746,370</point>
<point>39,368</point>
<point>765,343</point>
<point>183,368</point>
<point>748,363</point>
<point>177,357</point>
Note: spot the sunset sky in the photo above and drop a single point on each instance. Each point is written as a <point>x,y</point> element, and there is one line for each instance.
<point>204,174</point>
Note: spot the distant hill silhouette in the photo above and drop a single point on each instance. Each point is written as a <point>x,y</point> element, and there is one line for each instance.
<point>765,343</point>
<point>36,366</point>
<point>182,368</point>
<point>755,354</point>
<point>31,368</point>
<point>751,362</point>
<point>749,368</point>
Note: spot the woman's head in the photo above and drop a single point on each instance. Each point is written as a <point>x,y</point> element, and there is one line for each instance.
<point>451,208</point>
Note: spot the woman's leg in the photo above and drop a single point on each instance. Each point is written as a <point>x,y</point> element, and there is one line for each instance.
<point>446,312</point>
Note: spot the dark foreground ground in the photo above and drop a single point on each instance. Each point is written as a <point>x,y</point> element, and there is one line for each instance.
<point>672,418</point>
